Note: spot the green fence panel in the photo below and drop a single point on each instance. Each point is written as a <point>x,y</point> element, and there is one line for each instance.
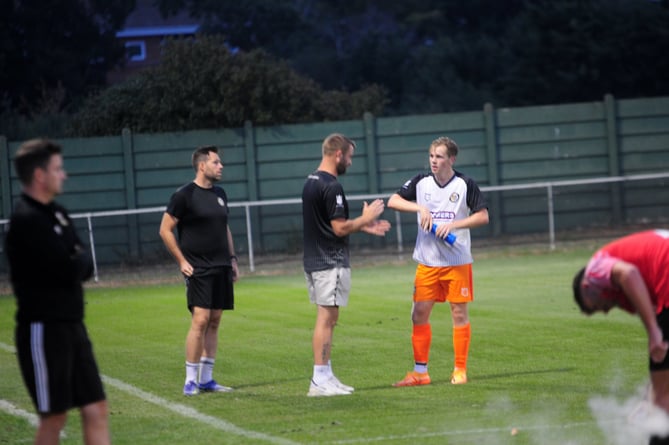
<point>499,146</point>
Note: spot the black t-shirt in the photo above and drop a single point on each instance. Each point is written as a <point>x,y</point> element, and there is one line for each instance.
<point>47,263</point>
<point>202,225</point>
<point>323,200</point>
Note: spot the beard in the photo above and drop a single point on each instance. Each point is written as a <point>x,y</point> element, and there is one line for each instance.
<point>341,168</point>
<point>213,178</point>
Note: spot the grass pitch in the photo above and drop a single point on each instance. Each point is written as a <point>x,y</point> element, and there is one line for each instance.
<point>536,364</point>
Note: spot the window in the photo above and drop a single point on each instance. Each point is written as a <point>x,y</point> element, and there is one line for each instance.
<point>135,50</point>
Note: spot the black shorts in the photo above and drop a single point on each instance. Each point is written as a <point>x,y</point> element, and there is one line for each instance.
<point>663,322</point>
<point>211,290</point>
<point>58,366</point>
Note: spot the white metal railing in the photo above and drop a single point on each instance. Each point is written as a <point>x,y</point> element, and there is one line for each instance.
<point>248,205</point>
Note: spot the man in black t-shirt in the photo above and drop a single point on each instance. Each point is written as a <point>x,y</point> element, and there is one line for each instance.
<point>47,265</point>
<point>206,256</point>
<point>326,255</point>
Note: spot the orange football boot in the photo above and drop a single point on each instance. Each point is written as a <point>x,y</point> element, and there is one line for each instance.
<point>459,376</point>
<point>414,378</point>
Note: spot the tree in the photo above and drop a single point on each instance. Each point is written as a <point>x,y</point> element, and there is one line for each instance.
<point>52,53</point>
<point>449,75</point>
<point>571,51</point>
<point>346,45</point>
<point>202,84</point>
<point>273,25</point>
<point>420,56</point>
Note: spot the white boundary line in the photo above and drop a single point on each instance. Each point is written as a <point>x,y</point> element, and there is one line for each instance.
<point>32,419</point>
<point>187,411</point>
<point>9,408</point>
<point>182,410</point>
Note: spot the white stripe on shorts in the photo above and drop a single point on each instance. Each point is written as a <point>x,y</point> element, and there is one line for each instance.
<point>40,366</point>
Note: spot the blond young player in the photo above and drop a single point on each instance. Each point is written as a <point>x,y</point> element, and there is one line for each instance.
<point>455,204</point>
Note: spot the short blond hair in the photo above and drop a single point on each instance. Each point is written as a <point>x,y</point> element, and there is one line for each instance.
<point>335,142</point>
<point>451,146</point>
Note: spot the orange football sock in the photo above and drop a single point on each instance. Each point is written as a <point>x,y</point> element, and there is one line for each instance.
<point>421,340</point>
<point>461,338</point>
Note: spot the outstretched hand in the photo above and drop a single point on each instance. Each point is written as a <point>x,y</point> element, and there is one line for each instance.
<point>373,210</point>
<point>378,227</point>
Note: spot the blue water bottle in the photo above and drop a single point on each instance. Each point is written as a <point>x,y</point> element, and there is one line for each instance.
<point>450,238</point>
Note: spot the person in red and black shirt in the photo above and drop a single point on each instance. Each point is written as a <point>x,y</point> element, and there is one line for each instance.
<point>47,265</point>
<point>632,273</point>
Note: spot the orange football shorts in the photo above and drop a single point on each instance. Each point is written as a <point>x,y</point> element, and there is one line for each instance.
<point>453,284</point>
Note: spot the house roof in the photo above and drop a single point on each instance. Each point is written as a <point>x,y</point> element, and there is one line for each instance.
<point>158,31</point>
<point>146,20</point>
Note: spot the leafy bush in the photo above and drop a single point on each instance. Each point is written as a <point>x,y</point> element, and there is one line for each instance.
<point>202,84</point>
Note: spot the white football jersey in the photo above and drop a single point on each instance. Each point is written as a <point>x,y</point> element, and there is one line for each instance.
<point>456,200</point>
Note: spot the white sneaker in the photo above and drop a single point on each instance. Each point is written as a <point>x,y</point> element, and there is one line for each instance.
<point>327,388</point>
<point>340,385</point>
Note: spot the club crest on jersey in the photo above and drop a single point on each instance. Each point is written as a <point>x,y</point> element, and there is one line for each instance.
<point>61,219</point>
<point>340,200</point>
<point>454,197</point>
<point>427,197</point>
<point>221,202</point>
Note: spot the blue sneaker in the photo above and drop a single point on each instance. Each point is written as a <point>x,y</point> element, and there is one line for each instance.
<point>191,388</point>
<point>213,386</point>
